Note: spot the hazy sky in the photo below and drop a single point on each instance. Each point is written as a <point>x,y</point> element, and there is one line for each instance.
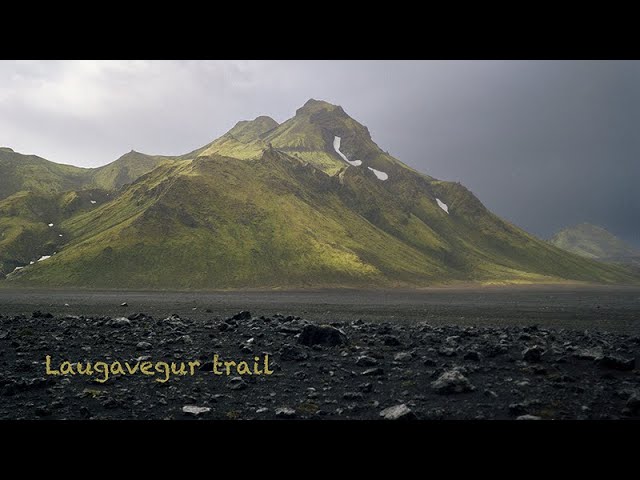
<point>543,144</point>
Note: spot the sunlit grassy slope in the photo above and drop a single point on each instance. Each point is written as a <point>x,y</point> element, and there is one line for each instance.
<point>20,172</point>
<point>28,172</point>
<point>30,223</point>
<point>270,205</point>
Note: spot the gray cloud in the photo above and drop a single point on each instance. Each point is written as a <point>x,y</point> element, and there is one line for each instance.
<point>543,144</point>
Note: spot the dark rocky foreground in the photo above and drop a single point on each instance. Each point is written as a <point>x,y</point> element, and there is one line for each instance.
<point>351,370</point>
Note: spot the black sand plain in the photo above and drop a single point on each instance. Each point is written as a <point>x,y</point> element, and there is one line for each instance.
<point>543,352</point>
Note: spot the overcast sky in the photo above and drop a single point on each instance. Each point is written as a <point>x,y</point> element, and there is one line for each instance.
<point>542,144</point>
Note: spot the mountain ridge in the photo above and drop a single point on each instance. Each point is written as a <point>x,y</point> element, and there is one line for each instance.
<point>270,205</point>
<point>593,241</point>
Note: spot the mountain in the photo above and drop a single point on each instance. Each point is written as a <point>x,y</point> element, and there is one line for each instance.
<point>595,242</point>
<point>124,170</point>
<point>30,223</point>
<point>310,202</point>
<point>31,173</point>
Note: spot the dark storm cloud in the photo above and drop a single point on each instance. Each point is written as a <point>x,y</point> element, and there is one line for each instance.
<point>543,144</point>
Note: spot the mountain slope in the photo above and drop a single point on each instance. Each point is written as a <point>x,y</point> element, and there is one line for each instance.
<point>30,224</point>
<point>20,172</point>
<point>29,172</point>
<point>595,242</point>
<point>124,170</point>
<point>288,205</point>
<point>309,136</point>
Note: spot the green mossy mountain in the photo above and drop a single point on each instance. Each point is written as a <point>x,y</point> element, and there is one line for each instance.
<point>124,170</point>
<point>271,205</point>
<point>31,173</point>
<point>595,242</point>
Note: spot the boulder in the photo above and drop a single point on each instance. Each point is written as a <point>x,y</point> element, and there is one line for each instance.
<point>322,335</point>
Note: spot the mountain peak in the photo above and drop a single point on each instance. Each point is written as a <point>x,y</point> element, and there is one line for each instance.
<point>6,149</point>
<point>248,130</point>
<point>314,106</point>
<point>130,154</point>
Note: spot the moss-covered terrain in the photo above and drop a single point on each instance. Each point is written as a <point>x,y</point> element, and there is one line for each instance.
<point>268,206</point>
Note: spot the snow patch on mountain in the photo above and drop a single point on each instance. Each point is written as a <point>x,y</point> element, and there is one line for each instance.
<point>442,205</point>
<point>379,174</point>
<point>336,147</point>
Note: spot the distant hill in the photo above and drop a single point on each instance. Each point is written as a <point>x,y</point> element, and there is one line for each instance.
<point>310,202</point>
<point>31,173</point>
<point>595,242</point>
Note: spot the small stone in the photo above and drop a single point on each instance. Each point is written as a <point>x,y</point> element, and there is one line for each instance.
<point>290,329</point>
<point>237,383</point>
<point>353,396</point>
<point>490,393</point>
<point>144,346</point>
<point>472,355</point>
<point>633,403</point>
<point>366,361</point>
<point>174,320</point>
<point>119,322</point>
<point>373,372</point>
<point>391,341</point>
<point>398,412</point>
<point>322,335</point>
<point>589,353</point>
<point>42,412</point>
<point>194,411</point>
<point>533,354</point>
<point>262,410</point>
<point>285,412</point>
<point>452,381</point>
<point>366,387</point>
<point>518,408</point>
<point>244,315</point>
<point>528,417</point>
<point>292,353</point>
<point>615,362</point>
<point>124,304</point>
<point>403,357</point>
<point>447,352</point>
